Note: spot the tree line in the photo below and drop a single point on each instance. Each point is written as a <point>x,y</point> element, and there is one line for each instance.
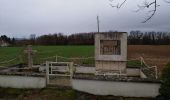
<point>61,39</point>
<point>134,38</point>
<point>6,39</point>
<point>149,38</point>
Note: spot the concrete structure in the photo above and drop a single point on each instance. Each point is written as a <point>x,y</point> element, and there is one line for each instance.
<point>111,52</point>
<point>14,81</point>
<point>30,53</point>
<point>134,72</point>
<point>117,88</point>
<point>85,70</point>
<point>3,43</point>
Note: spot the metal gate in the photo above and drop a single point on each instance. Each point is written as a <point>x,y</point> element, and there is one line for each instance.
<point>59,73</point>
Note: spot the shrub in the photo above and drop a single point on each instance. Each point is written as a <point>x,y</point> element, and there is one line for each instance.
<point>165,86</point>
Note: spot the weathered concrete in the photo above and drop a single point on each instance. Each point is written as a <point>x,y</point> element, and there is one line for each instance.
<point>122,36</point>
<point>14,81</point>
<point>111,66</point>
<point>82,69</point>
<point>116,88</point>
<point>133,72</point>
<point>111,52</point>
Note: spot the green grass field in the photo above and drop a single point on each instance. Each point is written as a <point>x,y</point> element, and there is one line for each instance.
<point>48,53</point>
<point>8,53</point>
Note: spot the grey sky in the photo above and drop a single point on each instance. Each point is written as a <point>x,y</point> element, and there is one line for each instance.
<point>20,18</point>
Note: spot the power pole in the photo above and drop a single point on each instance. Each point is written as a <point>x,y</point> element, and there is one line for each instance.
<point>98,27</point>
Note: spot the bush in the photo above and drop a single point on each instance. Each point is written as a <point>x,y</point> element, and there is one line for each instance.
<point>165,86</point>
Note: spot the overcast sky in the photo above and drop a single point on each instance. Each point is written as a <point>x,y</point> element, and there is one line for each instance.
<point>20,18</point>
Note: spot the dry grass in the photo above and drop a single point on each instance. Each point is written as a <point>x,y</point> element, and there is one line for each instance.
<point>158,55</point>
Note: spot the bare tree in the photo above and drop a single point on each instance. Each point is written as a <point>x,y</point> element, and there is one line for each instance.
<point>151,5</point>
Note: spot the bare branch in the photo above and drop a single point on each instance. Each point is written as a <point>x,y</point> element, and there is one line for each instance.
<point>151,5</point>
<point>118,5</point>
<point>122,3</point>
<point>149,17</point>
<point>146,5</point>
<point>151,12</point>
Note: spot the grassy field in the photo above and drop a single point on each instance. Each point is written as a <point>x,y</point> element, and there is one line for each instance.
<point>153,55</point>
<point>46,51</point>
<point>7,53</point>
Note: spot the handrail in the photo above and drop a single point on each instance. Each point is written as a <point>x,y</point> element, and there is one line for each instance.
<point>75,57</point>
<point>149,67</point>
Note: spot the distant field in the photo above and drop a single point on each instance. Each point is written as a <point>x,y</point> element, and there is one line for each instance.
<point>158,55</point>
<point>154,55</point>
<point>46,51</point>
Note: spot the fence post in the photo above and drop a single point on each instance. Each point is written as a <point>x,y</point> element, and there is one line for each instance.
<point>56,58</point>
<point>141,61</point>
<point>47,72</point>
<point>156,72</point>
<point>51,69</point>
<point>71,69</point>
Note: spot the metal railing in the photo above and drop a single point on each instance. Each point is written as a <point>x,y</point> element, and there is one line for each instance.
<point>66,69</point>
<point>148,67</point>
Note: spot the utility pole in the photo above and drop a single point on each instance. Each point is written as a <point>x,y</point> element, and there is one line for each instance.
<point>98,27</point>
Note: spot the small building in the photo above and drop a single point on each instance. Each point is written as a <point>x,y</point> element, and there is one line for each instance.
<point>111,52</point>
<point>3,43</point>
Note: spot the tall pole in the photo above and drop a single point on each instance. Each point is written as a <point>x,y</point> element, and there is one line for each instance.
<point>98,27</point>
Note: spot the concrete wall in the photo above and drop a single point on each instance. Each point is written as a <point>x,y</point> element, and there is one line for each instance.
<point>88,70</point>
<point>126,89</point>
<point>133,72</point>
<point>103,36</point>
<point>111,65</point>
<point>114,62</point>
<point>22,81</point>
